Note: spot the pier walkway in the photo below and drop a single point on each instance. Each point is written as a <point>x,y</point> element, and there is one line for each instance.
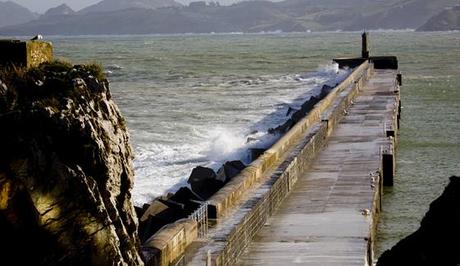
<point>329,218</point>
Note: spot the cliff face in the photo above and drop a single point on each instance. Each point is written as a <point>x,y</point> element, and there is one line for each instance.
<point>65,170</point>
<point>436,241</point>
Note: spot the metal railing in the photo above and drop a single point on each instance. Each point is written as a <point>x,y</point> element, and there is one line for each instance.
<point>201,217</point>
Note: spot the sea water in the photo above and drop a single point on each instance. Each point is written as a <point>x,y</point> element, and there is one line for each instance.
<point>195,99</point>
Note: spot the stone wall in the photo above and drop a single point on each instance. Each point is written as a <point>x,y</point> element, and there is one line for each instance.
<point>25,53</point>
<point>169,244</point>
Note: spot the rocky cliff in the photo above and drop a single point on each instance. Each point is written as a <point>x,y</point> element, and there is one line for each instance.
<point>436,241</point>
<point>65,170</point>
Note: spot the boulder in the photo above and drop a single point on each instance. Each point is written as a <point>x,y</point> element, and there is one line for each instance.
<point>436,241</point>
<point>153,224</point>
<point>255,153</point>
<point>281,129</point>
<point>229,170</point>
<point>185,194</point>
<point>163,211</point>
<point>326,89</point>
<point>291,111</point>
<point>203,182</point>
<point>155,208</point>
<point>65,172</point>
<point>188,198</point>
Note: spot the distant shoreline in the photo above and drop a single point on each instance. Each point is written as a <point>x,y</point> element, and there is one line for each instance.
<point>220,34</point>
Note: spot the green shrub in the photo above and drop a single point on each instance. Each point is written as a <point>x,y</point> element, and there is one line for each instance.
<point>96,69</point>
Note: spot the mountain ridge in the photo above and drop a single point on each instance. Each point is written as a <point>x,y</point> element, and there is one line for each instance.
<point>12,13</point>
<point>115,5</point>
<point>248,16</point>
<point>446,20</point>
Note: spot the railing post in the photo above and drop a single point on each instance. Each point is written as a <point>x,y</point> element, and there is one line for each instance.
<point>201,217</point>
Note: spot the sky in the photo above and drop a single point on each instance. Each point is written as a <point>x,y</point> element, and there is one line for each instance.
<point>41,6</point>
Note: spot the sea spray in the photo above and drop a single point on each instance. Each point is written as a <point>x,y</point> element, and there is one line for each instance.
<point>226,132</point>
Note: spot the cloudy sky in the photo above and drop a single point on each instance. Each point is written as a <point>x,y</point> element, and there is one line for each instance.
<point>41,6</point>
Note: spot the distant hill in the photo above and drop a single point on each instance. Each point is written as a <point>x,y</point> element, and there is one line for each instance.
<point>249,16</point>
<point>12,13</point>
<point>114,5</point>
<point>446,20</point>
<point>408,14</point>
<point>62,10</point>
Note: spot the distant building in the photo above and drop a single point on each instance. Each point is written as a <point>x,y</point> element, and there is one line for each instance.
<point>197,5</point>
<point>214,4</point>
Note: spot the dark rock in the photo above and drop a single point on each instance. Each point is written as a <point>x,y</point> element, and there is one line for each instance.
<point>177,206</point>
<point>203,182</point>
<point>190,199</point>
<point>65,177</point>
<point>163,211</point>
<point>152,224</point>
<point>201,173</point>
<point>154,208</point>
<point>281,129</point>
<point>230,170</point>
<point>310,104</point>
<point>290,111</point>
<point>298,115</point>
<point>436,241</point>
<point>255,153</point>
<point>326,89</point>
<point>185,194</point>
<point>139,211</point>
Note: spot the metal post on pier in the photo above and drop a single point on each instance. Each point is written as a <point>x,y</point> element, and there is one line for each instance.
<point>365,45</point>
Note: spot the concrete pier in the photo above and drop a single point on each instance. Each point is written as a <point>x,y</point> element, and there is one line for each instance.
<point>318,202</point>
<point>314,197</point>
<point>331,215</point>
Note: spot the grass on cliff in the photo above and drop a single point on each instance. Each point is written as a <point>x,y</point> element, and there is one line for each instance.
<point>12,75</point>
<point>43,81</point>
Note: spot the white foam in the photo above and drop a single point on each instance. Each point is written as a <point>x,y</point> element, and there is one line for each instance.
<point>239,110</point>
